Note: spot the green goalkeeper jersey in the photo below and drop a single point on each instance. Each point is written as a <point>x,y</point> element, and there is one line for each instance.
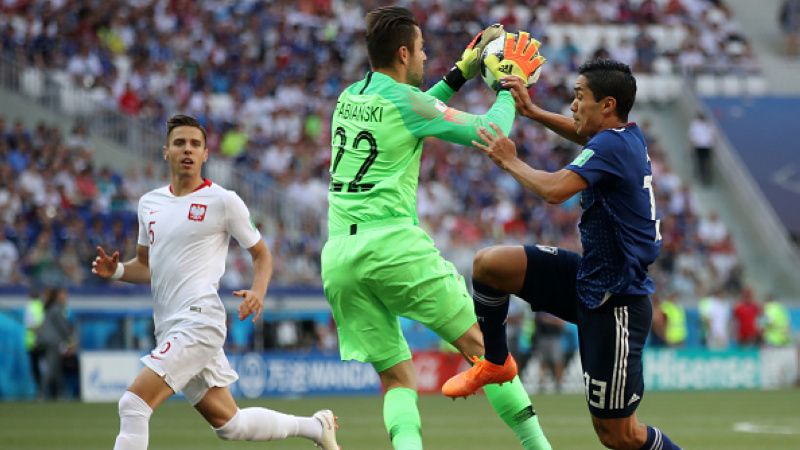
<point>376,143</point>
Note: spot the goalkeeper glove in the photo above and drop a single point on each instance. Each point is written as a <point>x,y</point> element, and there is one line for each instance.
<point>469,64</point>
<point>521,60</point>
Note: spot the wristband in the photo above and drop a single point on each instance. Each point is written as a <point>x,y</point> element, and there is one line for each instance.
<point>119,272</point>
<point>455,78</point>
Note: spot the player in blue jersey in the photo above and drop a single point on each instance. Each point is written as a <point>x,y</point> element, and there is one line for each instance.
<point>606,290</point>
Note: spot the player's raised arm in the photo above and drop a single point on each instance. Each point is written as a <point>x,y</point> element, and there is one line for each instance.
<point>426,116</point>
<point>137,270</point>
<point>468,66</point>
<point>553,187</point>
<point>560,124</point>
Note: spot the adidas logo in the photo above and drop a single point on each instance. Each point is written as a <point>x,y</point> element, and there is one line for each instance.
<point>634,398</point>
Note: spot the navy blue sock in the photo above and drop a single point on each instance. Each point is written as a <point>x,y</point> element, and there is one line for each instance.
<point>491,307</point>
<point>656,440</point>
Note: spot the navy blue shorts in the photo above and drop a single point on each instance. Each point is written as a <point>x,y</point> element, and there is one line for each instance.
<point>611,337</point>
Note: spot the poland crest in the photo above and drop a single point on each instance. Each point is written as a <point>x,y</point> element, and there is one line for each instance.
<point>197,212</point>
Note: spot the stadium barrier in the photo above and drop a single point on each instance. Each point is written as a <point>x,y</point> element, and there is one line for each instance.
<point>105,375</point>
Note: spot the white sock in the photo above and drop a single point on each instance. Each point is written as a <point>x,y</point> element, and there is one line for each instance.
<point>134,421</point>
<point>261,424</point>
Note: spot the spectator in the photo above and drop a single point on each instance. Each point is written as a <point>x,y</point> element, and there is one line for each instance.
<point>34,317</point>
<point>234,142</point>
<point>715,314</point>
<point>701,137</point>
<point>790,24</point>
<point>746,313</point>
<point>776,323</point>
<point>711,230</point>
<point>56,339</point>
<point>41,261</point>
<point>129,101</point>
<point>669,322</point>
<point>9,261</point>
<point>547,345</point>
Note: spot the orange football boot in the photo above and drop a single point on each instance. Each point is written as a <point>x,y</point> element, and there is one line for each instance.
<point>479,375</point>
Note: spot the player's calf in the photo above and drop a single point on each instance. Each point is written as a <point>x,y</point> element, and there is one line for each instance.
<point>261,424</point>
<point>634,437</point>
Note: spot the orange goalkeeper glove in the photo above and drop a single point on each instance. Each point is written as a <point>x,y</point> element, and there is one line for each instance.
<point>521,59</point>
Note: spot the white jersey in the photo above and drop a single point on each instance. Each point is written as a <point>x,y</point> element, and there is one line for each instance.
<point>188,239</point>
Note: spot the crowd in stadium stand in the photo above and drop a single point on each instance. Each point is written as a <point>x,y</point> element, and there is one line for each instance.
<point>263,78</point>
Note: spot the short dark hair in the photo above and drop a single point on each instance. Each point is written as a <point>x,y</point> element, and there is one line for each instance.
<point>609,78</point>
<point>182,120</point>
<point>388,29</point>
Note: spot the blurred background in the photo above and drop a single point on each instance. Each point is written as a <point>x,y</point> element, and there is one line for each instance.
<point>86,87</point>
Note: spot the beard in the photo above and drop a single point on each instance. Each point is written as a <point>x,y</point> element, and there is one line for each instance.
<point>415,78</point>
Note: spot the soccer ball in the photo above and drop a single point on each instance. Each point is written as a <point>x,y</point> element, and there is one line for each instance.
<point>496,47</point>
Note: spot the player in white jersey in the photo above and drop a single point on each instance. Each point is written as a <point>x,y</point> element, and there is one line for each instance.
<point>184,229</point>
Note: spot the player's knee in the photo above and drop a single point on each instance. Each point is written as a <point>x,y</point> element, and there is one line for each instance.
<point>617,440</point>
<point>131,405</point>
<point>233,430</point>
<point>482,264</point>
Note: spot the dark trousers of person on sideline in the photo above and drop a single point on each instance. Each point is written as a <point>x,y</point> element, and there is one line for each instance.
<point>703,156</point>
<point>53,373</point>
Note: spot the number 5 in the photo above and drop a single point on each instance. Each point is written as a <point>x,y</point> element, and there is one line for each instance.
<point>151,232</point>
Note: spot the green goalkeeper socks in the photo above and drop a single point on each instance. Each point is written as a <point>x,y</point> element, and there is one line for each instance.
<point>401,417</point>
<point>512,404</point>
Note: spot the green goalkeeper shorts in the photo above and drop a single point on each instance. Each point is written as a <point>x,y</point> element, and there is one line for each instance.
<point>385,271</point>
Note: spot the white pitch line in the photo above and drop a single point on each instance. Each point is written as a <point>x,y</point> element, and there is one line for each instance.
<point>749,427</point>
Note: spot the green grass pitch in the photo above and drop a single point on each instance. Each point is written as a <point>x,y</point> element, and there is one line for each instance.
<point>695,420</point>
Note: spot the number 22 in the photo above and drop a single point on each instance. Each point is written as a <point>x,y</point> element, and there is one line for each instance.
<point>373,154</point>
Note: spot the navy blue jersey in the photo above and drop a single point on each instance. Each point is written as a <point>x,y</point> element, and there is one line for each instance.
<point>619,226</point>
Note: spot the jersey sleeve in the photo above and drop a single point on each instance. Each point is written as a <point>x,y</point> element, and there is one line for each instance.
<point>598,161</point>
<point>238,222</point>
<point>143,239</point>
<point>425,115</point>
<point>441,91</point>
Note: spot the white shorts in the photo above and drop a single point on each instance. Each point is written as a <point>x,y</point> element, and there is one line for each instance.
<point>192,362</point>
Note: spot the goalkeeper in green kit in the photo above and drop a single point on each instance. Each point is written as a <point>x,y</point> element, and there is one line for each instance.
<point>378,264</point>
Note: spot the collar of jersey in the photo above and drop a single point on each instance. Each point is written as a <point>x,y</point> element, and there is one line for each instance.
<point>206,183</point>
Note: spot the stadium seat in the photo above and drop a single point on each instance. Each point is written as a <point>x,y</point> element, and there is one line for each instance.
<point>614,34</point>
<point>644,88</point>
<point>706,85</point>
<point>662,65</point>
<point>660,89</point>
<point>673,37</point>
<point>32,82</point>
<point>755,85</point>
<point>732,85</point>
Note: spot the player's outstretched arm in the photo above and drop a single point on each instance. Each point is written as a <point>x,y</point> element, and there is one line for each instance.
<point>553,187</point>
<point>137,270</point>
<point>253,298</point>
<point>425,116</point>
<point>563,125</point>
